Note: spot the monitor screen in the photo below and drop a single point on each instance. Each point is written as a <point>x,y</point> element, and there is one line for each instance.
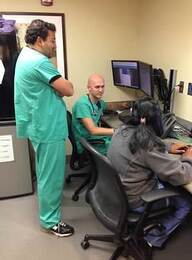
<point>125,73</point>
<point>145,77</point>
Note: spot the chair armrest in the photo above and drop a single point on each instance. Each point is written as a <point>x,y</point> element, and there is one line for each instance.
<point>156,195</point>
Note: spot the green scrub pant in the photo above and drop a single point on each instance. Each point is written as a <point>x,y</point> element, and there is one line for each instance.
<point>50,171</point>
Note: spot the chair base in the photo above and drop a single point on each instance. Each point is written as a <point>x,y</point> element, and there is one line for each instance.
<point>73,175</point>
<point>141,251</point>
<point>85,174</point>
<point>81,188</point>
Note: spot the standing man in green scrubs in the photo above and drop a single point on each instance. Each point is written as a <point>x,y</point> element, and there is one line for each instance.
<point>41,117</point>
<point>87,112</point>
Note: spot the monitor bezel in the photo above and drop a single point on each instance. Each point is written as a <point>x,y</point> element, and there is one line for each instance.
<point>151,79</point>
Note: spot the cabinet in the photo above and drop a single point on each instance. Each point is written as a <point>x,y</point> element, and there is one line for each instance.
<point>15,175</point>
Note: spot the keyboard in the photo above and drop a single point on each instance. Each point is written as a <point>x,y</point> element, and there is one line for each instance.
<point>124,114</point>
<point>181,133</point>
<point>110,112</point>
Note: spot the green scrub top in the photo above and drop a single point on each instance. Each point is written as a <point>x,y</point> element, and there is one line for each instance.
<point>40,111</point>
<point>84,108</point>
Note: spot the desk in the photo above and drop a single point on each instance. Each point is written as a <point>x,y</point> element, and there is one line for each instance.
<point>113,121</point>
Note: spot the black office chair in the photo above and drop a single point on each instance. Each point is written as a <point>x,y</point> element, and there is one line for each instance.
<point>109,202</point>
<point>77,162</point>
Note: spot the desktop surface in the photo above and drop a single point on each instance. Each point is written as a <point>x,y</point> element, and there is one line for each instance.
<point>179,132</point>
<point>111,120</point>
<point>114,119</point>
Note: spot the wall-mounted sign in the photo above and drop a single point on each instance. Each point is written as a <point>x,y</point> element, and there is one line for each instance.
<point>6,148</point>
<point>2,71</point>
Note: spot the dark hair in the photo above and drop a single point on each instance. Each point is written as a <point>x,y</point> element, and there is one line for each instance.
<point>38,28</point>
<point>146,136</point>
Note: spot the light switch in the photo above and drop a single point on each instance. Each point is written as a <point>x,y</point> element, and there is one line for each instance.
<point>181,86</point>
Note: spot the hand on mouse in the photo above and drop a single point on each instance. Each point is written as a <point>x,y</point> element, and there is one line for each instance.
<point>178,148</point>
<point>188,153</point>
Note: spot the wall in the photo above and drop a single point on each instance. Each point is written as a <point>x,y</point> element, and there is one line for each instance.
<point>166,42</point>
<point>96,32</point>
<point>158,32</point>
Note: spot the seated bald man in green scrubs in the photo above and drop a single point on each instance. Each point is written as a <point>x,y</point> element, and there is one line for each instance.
<point>87,112</point>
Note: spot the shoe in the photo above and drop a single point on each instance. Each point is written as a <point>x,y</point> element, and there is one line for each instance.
<point>62,230</point>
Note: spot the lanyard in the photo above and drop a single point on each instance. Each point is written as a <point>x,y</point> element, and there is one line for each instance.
<point>92,106</point>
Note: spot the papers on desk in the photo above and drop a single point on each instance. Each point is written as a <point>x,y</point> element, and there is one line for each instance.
<point>2,71</point>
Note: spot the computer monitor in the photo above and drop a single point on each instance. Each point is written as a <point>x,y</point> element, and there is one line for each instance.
<point>125,73</point>
<point>133,74</point>
<point>145,77</point>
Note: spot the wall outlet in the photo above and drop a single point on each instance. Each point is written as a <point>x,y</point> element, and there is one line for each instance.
<point>181,86</point>
<point>189,89</point>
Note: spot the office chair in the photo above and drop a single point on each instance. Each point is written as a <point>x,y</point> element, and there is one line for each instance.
<point>109,202</point>
<point>77,162</point>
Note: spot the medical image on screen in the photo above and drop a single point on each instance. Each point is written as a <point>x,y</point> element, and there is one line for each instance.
<point>125,73</point>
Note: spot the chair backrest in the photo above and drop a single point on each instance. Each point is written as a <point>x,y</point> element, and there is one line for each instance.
<point>107,196</point>
<point>76,161</point>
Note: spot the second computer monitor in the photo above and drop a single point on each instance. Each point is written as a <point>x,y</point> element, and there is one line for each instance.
<point>145,77</point>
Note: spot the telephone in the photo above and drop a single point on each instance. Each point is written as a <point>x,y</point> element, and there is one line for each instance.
<point>174,129</point>
<point>168,121</point>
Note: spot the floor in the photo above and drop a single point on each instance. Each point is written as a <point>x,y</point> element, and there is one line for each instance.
<point>22,239</point>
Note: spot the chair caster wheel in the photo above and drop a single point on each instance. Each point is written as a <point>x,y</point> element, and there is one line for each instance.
<point>75,197</point>
<point>85,244</point>
<point>68,180</point>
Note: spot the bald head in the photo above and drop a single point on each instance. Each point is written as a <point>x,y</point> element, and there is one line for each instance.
<point>95,87</point>
<point>95,78</point>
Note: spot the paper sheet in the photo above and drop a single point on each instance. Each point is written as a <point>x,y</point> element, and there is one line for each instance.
<point>6,148</point>
<point>2,71</point>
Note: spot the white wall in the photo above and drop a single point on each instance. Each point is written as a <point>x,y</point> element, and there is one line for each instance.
<point>96,32</point>
<point>166,42</point>
<point>158,32</point>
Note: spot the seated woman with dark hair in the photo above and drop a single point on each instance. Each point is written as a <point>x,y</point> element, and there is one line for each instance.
<point>142,160</point>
